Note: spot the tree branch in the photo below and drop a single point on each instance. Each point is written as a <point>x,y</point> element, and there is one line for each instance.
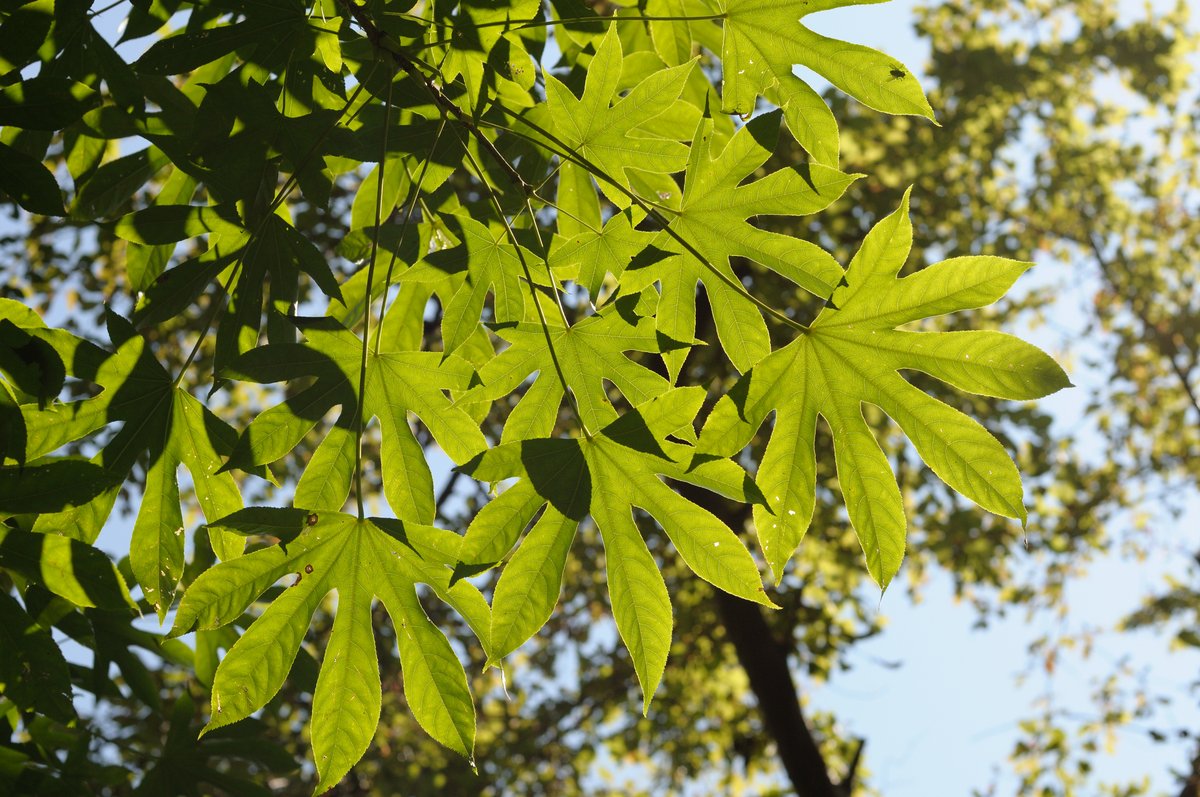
<point>1191,786</point>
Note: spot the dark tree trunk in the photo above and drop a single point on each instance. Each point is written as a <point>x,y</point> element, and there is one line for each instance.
<point>766,663</point>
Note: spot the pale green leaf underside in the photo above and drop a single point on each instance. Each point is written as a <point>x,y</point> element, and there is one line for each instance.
<point>607,136</point>
<point>361,560</point>
<point>851,356</point>
<point>762,41</point>
<point>720,201</point>
<point>606,476</point>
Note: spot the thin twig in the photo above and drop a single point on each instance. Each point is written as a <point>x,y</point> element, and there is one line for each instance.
<point>378,40</point>
<point>416,195</point>
<point>650,209</point>
<point>361,411</point>
<point>281,196</point>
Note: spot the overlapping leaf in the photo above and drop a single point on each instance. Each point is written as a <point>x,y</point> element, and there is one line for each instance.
<point>479,47</point>
<point>714,218</point>
<point>763,39</point>
<point>191,766</point>
<point>157,419</point>
<point>69,568</point>
<point>34,676</point>
<point>269,28</point>
<point>585,355</point>
<point>28,183</point>
<point>603,128</point>
<point>605,476</point>
<point>851,356</point>
<point>486,261</point>
<point>361,560</point>
<point>398,381</point>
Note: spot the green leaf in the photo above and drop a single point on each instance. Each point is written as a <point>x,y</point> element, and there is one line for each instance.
<point>360,559</point>
<point>530,582</point>
<point>850,356</point>
<point>606,475</point>
<point>325,483</point>
<point>603,250</point>
<point>187,51</point>
<point>33,672</point>
<point>13,434</point>
<point>177,288</point>
<point>43,103</point>
<point>477,33</point>
<point>68,568</point>
<point>604,129</point>
<point>587,353</point>
<point>713,218</point>
<point>30,362</point>
<point>672,40</point>
<point>111,185</point>
<point>398,382</point>
<point>51,485</point>
<point>489,263</point>
<point>143,263</point>
<point>83,522</point>
<point>299,252</point>
<point>156,547</point>
<point>26,28</point>
<point>166,224</point>
<point>186,761</point>
<point>157,417</point>
<point>28,183</point>
<point>763,39</point>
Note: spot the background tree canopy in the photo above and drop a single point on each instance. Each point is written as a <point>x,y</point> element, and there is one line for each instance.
<point>396,398</point>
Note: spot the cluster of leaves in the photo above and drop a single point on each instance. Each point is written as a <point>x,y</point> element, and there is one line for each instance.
<point>588,197</point>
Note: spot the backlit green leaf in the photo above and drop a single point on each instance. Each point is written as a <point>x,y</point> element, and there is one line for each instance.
<point>360,559</point>
<point>606,476</point>
<point>851,356</point>
<point>763,39</point>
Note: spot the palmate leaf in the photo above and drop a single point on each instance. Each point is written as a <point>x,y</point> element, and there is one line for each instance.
<point>485,261</point>
<point>714,219</point>
<point>361,560</point>
<point>476,34</point>
<point>587,354</point>
<point>157,419</point>
<point>850,356</point>
<point>605,476</point>
<point>603,128</point>
<point>398,381</point>
<point>763,39</point>
<point>601,250</point>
